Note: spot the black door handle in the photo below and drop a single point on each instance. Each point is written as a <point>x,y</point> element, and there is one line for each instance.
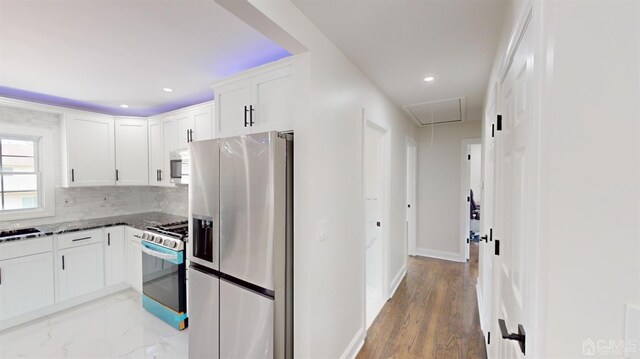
<point>251,115</point>
<point>73,175</point>
<point>62,262</point>
<point>109,239</point>
<point>160,174</point>
<point>190,135</point>
<point>245,116</point>
<point>485,237</point>
<point>520,337</point>
<point>187,135</point>
<point>117,175</point>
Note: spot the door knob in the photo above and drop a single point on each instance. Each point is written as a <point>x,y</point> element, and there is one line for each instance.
<point>520,337</point>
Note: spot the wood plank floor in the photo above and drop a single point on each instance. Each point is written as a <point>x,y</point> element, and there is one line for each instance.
<point>433,314</point>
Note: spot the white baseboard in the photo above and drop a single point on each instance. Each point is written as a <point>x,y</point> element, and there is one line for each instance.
<point>448,256</point>
<point>395,283</point>
<point>354,347</point>
<point>60,306</point>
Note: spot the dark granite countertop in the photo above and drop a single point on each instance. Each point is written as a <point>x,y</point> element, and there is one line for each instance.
<point>139,221</point>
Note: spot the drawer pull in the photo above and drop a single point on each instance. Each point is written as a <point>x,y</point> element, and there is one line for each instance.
<point>80,239</point>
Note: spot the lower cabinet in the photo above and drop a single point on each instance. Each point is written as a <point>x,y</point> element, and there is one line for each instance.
<point>114,255</point>
<point>80,270</point>
<point>134,258</point>
<point>26,284</point>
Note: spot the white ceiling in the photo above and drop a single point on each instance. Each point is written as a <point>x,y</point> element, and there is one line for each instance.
<point>100,54</point>
<point>398,43</point>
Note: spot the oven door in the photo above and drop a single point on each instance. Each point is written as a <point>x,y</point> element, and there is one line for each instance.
<point>164,276</point>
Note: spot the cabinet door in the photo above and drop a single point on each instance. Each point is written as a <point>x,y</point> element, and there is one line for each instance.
<point>134,258</point>
<point>90,150</point>
<point>80,270</point>
<point>231,101</point>
<point>132,160</point>
<point>26,284</point>
<point>203,121</point>
<point>271,95</point>
<point>114,255</point>
<point>156,152</point>
<point>185,123</point>
<point>169,135</point>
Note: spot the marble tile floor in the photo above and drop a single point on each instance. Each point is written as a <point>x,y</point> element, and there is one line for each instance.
<point>112,327</point>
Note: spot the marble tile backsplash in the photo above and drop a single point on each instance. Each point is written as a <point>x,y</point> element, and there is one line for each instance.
<point>92,202</point>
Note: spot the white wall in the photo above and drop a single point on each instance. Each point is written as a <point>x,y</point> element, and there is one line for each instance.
<point>438,190</point>
<point>590,173</point>
<point>329,275</point>
<point>90,201</point>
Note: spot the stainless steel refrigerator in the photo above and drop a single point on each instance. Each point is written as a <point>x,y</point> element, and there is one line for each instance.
<point>240,276</point>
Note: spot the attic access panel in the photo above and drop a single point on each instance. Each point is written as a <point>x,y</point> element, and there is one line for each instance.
<point>437,112</point>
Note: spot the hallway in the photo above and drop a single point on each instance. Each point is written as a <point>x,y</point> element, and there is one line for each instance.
<point>433,314</point>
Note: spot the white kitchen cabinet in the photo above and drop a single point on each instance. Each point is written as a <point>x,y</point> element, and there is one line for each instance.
<point>88,149</point>
<point>114,255</point>
<point>232,108</point>
<point>132,158</point>
<point>162,141</point>
<point>194,123</point>
<point>26,284</point>
<point>134,258</point>
<point>80,270</point>
<point>258,100</point>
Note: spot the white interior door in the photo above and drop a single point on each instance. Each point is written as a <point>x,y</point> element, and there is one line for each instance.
<point>514,222</point>
<point>411,197</point>
<point>374,245</point>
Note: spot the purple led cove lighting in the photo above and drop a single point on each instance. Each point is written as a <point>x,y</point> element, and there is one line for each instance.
<point>255,57</point>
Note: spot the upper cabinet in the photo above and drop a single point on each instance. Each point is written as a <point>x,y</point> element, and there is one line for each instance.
<point>88,150</point>
<point>258,100</point>
<point>173,131</point>
<point>132,157</point>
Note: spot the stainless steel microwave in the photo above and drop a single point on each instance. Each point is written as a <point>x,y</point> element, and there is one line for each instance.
<point>179,167</point>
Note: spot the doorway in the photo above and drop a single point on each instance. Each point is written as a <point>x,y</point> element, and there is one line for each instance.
<point>376,205</point>
<point>471,196</point>
<point>412,163</point>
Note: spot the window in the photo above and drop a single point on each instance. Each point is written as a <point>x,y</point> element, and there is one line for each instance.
<point>26,172</point>
<point>19,174</point>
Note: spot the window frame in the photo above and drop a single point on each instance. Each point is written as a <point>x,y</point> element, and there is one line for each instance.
<point>44,162</point>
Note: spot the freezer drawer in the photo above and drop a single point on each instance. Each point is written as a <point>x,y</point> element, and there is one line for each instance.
<point>247,322</point>
<point>204,290</point>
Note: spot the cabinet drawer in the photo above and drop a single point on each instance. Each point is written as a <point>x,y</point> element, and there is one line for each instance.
<point>79,238</point>
<point>25,247</point>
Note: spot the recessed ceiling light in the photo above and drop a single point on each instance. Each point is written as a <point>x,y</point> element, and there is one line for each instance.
<point>166,89</point>
<point>124,106</point>
<point>429,78</point>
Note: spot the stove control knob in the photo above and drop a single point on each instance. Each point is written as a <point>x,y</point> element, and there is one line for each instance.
<point>145,236</point>
<point>158,240</point>
<point>173,244</point>
<point>166,242</point>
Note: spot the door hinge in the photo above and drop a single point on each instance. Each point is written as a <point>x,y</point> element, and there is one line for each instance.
<point>467,240</point>
<point>488,337</point>
<point>497,247</point>
<point>468,199</point>
<point>469,157</point>
<point>493,130</point>
<point>499,123</point>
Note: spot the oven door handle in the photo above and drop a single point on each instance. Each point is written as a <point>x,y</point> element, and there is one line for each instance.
<point>175,257</point>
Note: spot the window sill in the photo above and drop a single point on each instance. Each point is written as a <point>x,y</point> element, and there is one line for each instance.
<point>26,214</point>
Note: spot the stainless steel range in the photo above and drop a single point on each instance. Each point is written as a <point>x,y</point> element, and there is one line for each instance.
<point>164,285</point>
